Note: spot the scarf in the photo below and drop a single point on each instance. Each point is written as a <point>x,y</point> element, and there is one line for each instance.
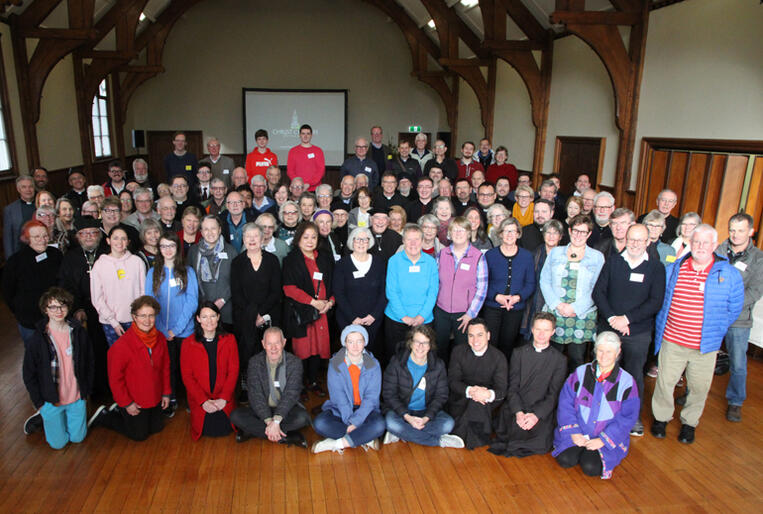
<point>148,338</point>
<point>209,260</point>
<point>525,219</point>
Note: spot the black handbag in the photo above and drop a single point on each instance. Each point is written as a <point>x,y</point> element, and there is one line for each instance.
<point>303,314</point>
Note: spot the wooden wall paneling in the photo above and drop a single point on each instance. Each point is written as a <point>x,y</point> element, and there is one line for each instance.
<point>658,173</point>
<point>754,201</point>
<point>695,181</point>
<point>731,192</point>
<point>677,170</point>
<point>712,184</point>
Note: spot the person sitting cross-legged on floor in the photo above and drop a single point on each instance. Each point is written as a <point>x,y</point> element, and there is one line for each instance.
<point>415,391</point>
<point>351,415</point>
<point>274,382</point>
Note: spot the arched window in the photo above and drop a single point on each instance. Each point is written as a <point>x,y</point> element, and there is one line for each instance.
<point>101,131</point>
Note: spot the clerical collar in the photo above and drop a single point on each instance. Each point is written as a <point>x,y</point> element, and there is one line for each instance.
<point>479,354</point>
<point>539,350</point>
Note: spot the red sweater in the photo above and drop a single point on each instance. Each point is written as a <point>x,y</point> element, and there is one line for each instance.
<point>194,365</point>
<point>136,376</point>
<point>308,163</point>
<point>258,163</point>
<point>496,171</point>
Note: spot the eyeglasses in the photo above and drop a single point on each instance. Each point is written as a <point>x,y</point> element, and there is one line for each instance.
<point>89,233</point>
<point>90,212</point>
<point>421,343</point>
<point>110,211</point>
<point>576,232</point>
<point>362,240</point>
<point>603,206</point>
<point>523,197</point>
<point>235,202</point>
<point>289,213</point>
<point>167,246</point>
<point>145,316</point>
<point>653,225</point>
<point>56,308</point>
<point>485,194</point>
<point>324,196</point>
<point>636,241</point>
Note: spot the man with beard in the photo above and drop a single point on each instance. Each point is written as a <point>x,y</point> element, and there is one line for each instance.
<point>532,234</point>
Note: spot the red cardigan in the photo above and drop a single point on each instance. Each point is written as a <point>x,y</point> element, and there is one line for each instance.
<point>194,366</point>
<point>136,376</point>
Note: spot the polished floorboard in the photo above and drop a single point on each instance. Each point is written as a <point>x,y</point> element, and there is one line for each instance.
<point>720,472</point>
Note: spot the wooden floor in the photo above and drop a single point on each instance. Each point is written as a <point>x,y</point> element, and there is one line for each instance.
<point>720,472</point>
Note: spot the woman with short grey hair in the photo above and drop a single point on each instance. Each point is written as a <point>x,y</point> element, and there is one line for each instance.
<point>290,217</point>
<point>429,225</point>
<point>686,225</point>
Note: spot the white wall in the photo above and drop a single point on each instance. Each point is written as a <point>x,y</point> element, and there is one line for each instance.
<point>469,118</point>
<point>512,123</point>
<point>581,103</point>
<point>703,72</point>
<point>58,129</point>
<point>219,47</point>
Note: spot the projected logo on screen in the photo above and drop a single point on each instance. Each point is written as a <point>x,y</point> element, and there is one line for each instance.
<point>281,113</point>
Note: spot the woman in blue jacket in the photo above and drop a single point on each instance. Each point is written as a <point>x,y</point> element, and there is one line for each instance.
<point>351,416</point>
<point>174,286</point>
<point>511,282</point>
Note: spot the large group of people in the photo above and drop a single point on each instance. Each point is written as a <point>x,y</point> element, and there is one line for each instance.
<point>435,301</point>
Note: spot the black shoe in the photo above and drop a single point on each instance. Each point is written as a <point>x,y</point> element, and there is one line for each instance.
<point>294,438</point>
<point>681,398</point>
<point>686,435</point>
<point>97,417</point>
<point>734,413</point>
<point>33,423</point>
<point>658,429</point>
<point>316,389</point>
<point>169,412</point>
<point>241,437</point>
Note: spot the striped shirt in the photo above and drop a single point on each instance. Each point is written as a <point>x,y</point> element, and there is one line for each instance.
<point>684,324</point>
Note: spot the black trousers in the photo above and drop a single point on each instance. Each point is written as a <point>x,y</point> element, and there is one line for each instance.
<point>635,350</point>
<point>504,329</point>
<point>138,428</point>
<point>395,334</point>
<point>247,421</point>
<point>589,460</point>
<point>577,354</point>
<point>176,381</point>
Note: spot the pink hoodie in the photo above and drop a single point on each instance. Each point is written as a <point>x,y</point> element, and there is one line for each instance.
<point>114,284</point>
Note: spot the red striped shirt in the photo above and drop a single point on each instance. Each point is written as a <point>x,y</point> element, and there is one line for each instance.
<point>684,325</point>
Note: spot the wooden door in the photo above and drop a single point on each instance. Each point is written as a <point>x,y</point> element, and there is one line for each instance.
<point>411,138</point>
<point>159,144</point>
<point>576,155</point>
<point>715,179</point>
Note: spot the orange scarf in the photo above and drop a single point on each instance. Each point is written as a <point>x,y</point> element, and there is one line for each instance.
<point>148,338</point>
<point>526,218</point>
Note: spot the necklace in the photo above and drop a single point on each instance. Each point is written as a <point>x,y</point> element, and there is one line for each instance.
<point>573,255</point>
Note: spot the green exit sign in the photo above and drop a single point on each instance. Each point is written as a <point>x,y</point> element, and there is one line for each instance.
<point>414,128</point>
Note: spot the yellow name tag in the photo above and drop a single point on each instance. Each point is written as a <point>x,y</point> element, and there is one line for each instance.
<point>188,167</point>
<point>670,258</point>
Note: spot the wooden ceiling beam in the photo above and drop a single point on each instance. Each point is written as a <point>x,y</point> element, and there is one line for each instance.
<point>596,18</point>
<point>43,33</point>
<point>626,5</point>
<point>526,45</point>
<point>407,25</point>
<point>36,12</point>
<point>525,20</point>
<point>447,18</point>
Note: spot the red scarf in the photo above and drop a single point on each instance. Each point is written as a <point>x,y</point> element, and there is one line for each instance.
<point>148,338</point>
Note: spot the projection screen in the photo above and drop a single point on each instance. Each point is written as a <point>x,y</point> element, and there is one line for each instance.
<point>282,111</point>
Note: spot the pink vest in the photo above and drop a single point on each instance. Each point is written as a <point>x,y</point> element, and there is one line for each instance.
<point>457,286</point>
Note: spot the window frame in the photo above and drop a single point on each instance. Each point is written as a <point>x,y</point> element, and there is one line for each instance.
<point>109,122</point>
<point>7,121</point>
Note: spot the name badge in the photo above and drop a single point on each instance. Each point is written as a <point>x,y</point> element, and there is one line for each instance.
<point>574,265</point>
<point>414,269</point>
<point>422,384</point>
<point>358,274</point>
<point>173,282</point>
<point>311,156</point>
<point>670,258</point>
<point>317,275</point>
<point>53,245</point>
<point>188,167</point>
<point>41,257</point>
<point>69,350</point>
<point>637,277</point>
<point>226,172</point>
<point>741,266</point>
<point>464,266</point>
<point>702,286</point>
<point>368,169</point>
<point>277,384</point>
<point>232,237</point>
<point>223,255</point>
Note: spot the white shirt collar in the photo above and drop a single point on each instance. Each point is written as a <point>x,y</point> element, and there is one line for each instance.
<point>634,264</point>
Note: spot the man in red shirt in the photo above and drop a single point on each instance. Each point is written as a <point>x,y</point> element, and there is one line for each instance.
<point>261,158</point>
<point>467,164</point>
<point>306,160</point>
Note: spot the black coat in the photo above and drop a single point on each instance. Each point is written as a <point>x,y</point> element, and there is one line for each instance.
<point>398,386</point>
<point>36,369</point>
<point>295,274</point>
<point>74,276</point>
<point>359,297</point>
<point>532,237</point>
<point>25,279</point>
<point>255,292</point>
<point>385,246</point>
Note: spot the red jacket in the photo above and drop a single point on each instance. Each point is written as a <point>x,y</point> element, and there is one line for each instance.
<point>194,365</point>
<point>136,376</point>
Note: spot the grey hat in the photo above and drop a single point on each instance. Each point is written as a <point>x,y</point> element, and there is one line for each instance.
<point>349,329</point>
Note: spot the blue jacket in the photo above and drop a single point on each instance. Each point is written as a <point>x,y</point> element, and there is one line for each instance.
<point>724,296</point>
<point>411,293</point>
<point>522,277</point>
<point>341,398</point>
<point>553,271</point>
<point>178,307</point>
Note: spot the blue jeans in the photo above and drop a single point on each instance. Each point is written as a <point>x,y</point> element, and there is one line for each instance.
<point>111,334</point>
<point>736,345</point>
<point>441,424</point>
<point>329,425</point>
<point>64,424</point>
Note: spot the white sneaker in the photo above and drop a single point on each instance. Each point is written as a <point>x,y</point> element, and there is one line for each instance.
<point>325,445</point>
<point>451,441</point>
<point>390,438</point>
<point>373,444</point>
<point>100,411</point>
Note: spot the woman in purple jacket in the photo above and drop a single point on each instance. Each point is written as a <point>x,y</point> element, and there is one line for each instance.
<point>598,406</point>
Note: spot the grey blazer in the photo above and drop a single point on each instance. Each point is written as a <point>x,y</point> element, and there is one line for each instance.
<point>219,289</point>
